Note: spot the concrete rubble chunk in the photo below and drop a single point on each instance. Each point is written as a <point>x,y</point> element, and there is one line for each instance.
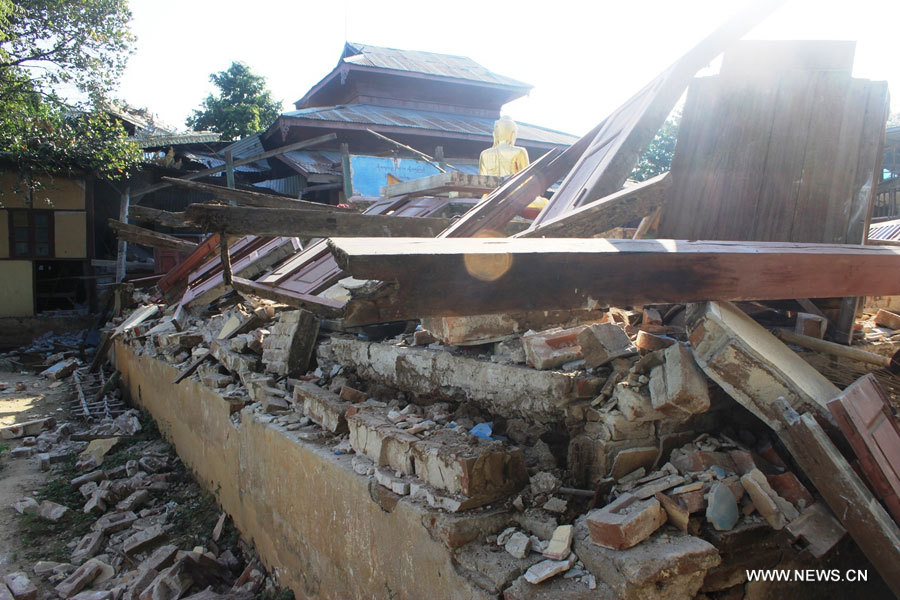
<point>170,584</point>
<point>19,430</point>
<point>721,507</point>
<point>161,558</point>
<point>61,369</point>
<point>678,386</point>
<point>755,367</point>
<point>288,347</point>
<point>473,467</point>
<point>134,501</point>
<point>543,482</point>
<point>635,404</point>
<point>114,521</point>
<point>87,546</point>
<point>775,509</point>
<point>52,511</point>
<point>20,586</point>
<point>552,347</point>
<point>886,318</point>
<point>93,595</point>
<point>5,594</point>
<point>668,565</point>
<point>27,506</point>
<point>560,544</point>
<point>387,445</point>
<point>675,512</point>
<point>143,540</point>
<point>518,545</point>
<point>602,342</point>
<point>625,522</point>
<point>555,505</point>
<point>79,579</point>
<point>324,408</point>
<point>546,569</point>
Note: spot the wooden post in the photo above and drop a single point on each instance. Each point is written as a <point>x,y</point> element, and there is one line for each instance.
<point>439,157</point>
<point>229,170</point>
<point>226,258</point>
<point>345,167</point>
<point>123,245</point>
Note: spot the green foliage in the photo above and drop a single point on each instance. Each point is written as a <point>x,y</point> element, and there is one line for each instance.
<point>243,106</point>
<point>77,45</point>
<point>658,155</point>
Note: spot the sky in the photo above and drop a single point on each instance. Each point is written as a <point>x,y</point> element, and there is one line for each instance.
<point>584,59</point>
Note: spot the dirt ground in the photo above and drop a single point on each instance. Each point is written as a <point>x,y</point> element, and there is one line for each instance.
<point>20,476</point>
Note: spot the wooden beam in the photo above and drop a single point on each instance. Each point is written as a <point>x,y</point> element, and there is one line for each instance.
<point>845,493</point>
<point>456,277</point>
<point>122,251</point>
<point>321,306</point>
<point>242,220</point>
<point>147,237</point>
<point>145,214</point>
<point>244,161</point>
<point>249,198</point>
<point>441,183</point>
<point>601,215</point>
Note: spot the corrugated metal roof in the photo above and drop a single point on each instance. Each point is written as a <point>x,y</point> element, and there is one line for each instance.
<point>289,186</point>
<point>248,147</point>
<point>366,114</point>
<point>430,63</point>
<point>318,162</point>
<point>159,141</point>
<point>886,230</point>
<point>212,161</point>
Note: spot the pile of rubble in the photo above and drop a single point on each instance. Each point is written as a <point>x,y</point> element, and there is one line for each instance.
<point>642,449</point>
<point>119,518</point>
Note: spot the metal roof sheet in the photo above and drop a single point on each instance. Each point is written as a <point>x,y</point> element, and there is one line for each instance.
<point>159,141</point>
<point>366,114</point>
<point>886,230</point>
<point>430,63</point>
<point>319,162</point>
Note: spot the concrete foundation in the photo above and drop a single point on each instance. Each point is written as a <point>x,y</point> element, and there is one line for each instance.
<point>324,530</point>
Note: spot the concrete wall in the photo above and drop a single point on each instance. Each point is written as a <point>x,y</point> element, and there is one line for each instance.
<point>51,192</point>
<point>17,291</point>
<point>311,518</point>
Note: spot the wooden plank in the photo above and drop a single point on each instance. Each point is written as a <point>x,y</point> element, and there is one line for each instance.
<point>844,492</point>
<point>321,306</point>
<point>148,237</point>
<point>145,214</point>
<point>485,276</point>
<point>244,161</point>
<point>624,134</point>
<point>242,220</point>
<point>601,215</point>
<point>180,272</point>
<point>863,414</point>
<point>258,199</point>
<point>122,252</point>
<point>441,183</point>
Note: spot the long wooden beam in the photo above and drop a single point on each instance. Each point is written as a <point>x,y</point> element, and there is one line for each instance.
<point>455,277</point>
<point>451,181</point>
<point>145,214</point>
<point>321,306</point>
<point>258,199</point>
<point>611,211</point>
<point>244,161</point>
<point>147,237</point>
<point>242,220</point>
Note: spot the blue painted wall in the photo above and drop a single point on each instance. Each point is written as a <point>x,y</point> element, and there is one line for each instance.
<point>369,173</point>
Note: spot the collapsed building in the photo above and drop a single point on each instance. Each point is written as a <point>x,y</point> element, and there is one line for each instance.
<point>561,406</point>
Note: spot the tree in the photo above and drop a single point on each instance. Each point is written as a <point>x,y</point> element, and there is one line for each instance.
<point>48,45</point>
<point>658,156</point>
<point>243,106</point>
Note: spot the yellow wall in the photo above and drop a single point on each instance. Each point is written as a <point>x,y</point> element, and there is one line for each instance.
<point>56,192</point>
<point>4,234</point>
<point>16,293</point>
<point>69,234</point>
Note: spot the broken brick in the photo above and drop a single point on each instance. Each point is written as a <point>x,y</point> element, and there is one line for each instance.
<point>649,342</point>
<point>886,318</point>
<point>625,522</point>
<point>789,487</point>
<point>552,347</point>
<point>20,586</point>
<point>324,408</point>
<point>560,543</point>
<point>678,386</point>
<point>602,342</point>
<point>143,540</point>
<point>79,579</point>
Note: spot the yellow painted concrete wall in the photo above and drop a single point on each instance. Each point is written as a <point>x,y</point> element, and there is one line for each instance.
<point>56,192</point>
<point>4,234</point>
<point>70,234</point>
<point>16,293</point>
<point>309,515</point>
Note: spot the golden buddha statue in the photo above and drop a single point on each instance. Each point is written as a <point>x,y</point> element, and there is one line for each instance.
<point>504,157</point>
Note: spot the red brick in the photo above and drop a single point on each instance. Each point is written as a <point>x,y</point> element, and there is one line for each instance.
<point>789,487</point>
<point>625,522</point>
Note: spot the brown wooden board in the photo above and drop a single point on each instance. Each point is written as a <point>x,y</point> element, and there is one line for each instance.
<point>243,220</point>
<point>863,415</point>
<point>485,276</point>
<point>251,198</point>
<point>148,237</point>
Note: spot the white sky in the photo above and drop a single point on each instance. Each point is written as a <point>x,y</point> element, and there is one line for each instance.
<point>583,58</point>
